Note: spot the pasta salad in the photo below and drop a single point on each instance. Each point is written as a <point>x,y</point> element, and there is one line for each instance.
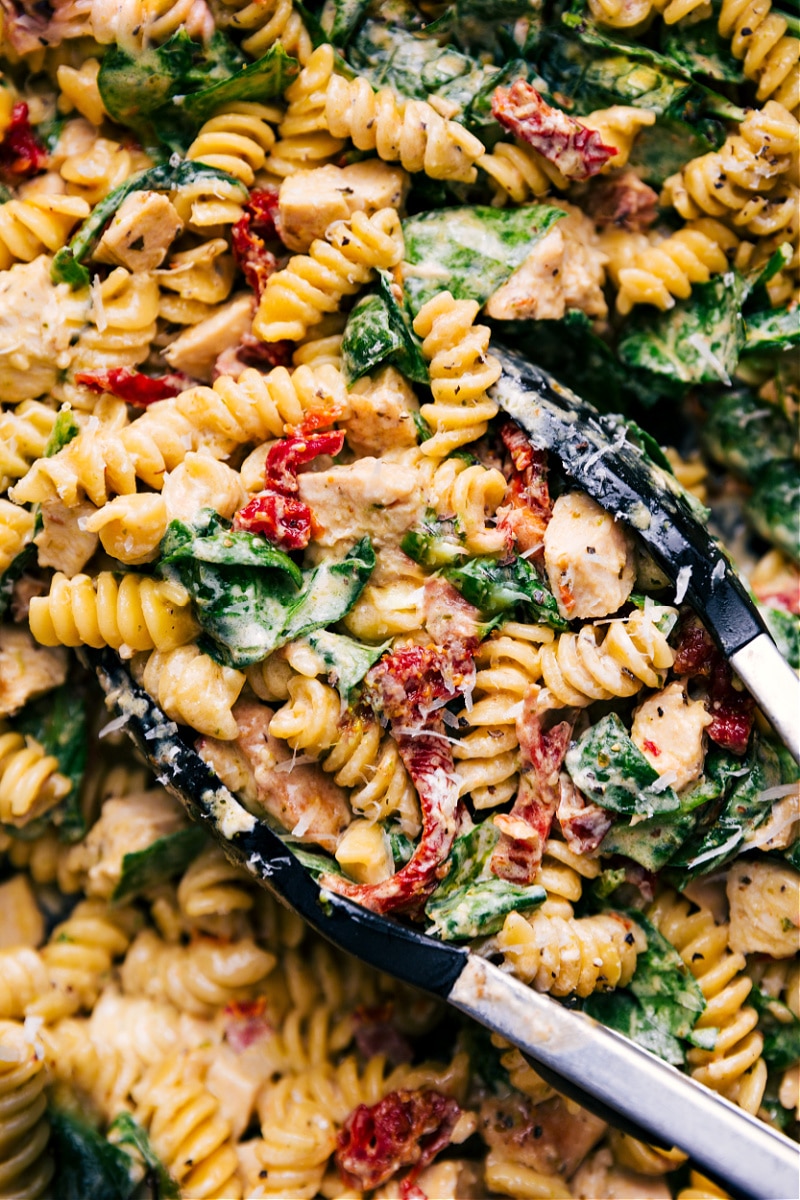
<point>258,265</point>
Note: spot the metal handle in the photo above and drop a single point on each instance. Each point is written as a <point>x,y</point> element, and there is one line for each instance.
<point>746,1156</point>
<point>775,685</point>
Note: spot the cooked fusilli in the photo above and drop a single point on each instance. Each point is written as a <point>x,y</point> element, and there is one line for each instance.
<point>571,956</point>
<point>37,224</point>
<point>656,272</point>
<point>30,782</point>
<point>194,690</point>
<point>267,23</point>
<point>26,1167</point>
<point>759,38</point>
<point>23,436</point>
<point>16,530</point>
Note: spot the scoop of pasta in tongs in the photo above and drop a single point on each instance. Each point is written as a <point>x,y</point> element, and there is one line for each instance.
<point>606,1072</point>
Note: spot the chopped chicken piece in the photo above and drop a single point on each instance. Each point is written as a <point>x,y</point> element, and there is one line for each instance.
<point>257,766</point>
<point>310,201</point>
<point>668,729</point>
<point>197,348</point>
<point>382,413</point>
<point>126,824</point>
<point>23,923</point>
<point>599,1179</point>
<point>38,323</point>
<point>379,498</point>
<point>589,558</point>
<point>565,270</point>
<point>764,909</point>
<point>140,233</point>
<point>63,542</point>
<point>547,1137</point>
<point>27,670</point>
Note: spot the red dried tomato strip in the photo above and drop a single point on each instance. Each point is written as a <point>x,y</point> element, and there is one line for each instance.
<point>289,453</point>
<point>133,386</point>
<point>406,1128</point>
<point>732,710</point>
<point>527,507</point>
<point>405,686</point>
<point>577,152</point>
<point>21,152</point>
<point>251,233</point>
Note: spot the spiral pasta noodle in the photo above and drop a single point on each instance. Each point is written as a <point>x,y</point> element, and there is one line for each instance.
<point>570,956</point>
<point>122,325</point>
<point>519,173</point>
<point>92,173</point>
<point>487,757</point>
<point>30,782</point>
<point>103,461</point>
<point>187,1129</point>
<point>130,613</point>
<point>37,224</point>
<point>26,1167</point>
<point>391,604</point>
<point>23,977</point>
<point>23,436</point>
<point>305,141</point>
<point>313,284</point>
<point>410,132</point>
<point>268,23</point>
<point>135,26</point>
<point>213,889</point>
<point>734,1067</point>
<point>632,15</point>
<point>200,278</point>
<point>16,530</point>
<point>469,494</point>
<point>193,689</point>
<point>461,370</point>
<point>769,56</point>
<point>199,978</point>
<point>236,139</point>
<point>79,89</point>
<point>506,1176</point>
<point>653,272</point>
<point>47,860</point>
<point>579,668</point>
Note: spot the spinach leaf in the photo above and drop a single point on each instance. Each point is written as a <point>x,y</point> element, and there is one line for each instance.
<point>774,505</point>
<point>64,430</point>
<point>59,723</point>
<point>785,629</point>
<point>262,80</point>
<point>341,18</point>
<point>241,610</point>
<point>471,901</point>
<point>721,832</point>
<point>651,842</point>
<point>329,591</point>
<point>435,543</point>
<point>87,1166</point>
<point>313,861</point>
<point>167,856</point>
<point>663,149</point>
<point>378,331</point>
<point>124,1131</point>
<point>781,1030</point>
<point>496,588</point>
<point>401,846</point>
<point>701,50</point>
<point>746,434</point>
<point>772,329</point>
<point>697,341</point>
<point>213,540</point>
<point>345,660</point>
<point>68,263</point>
<point>662,1003</point>
<point>135,86</point>
<point>469,251</point>
<point>610,769</point>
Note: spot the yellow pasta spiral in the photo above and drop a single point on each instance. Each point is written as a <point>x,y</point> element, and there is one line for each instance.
<point>25,1165</point>
<point>621,124</point>
<point>103,460</point>
<point>129,613</point>
<point>519,173</point>
<point>267,23</point>
<point>187,1129</point>
<point>508,1177</point>
<point>467,493</point>
<point>212,890</point>
<point>23,977</point>
<point>91,174</point>
<point>461,370</point>
<point>315,283</point>
<point>745,180</point>
<point>758,36</point>
<point>599,662</point>
<point>79,89</point>
<point>198,979</point>
<point>410,132</point>
<point>487,758</point>
<point>656,272</point>
<point>305,141</point>
<point>634,14</point>
<point>734,1067</point>
<point>37,224</point>
<point>121,328</point>
<point>24,431</point>
<point>47,860</point>
<point>30,782</point>
<point>391,603</point>
<point>194,690</point>
<point>16,530</point>
<point>570,956</point>
<point>237,140</point>
<point>561,874</point>
<point>78,958</point>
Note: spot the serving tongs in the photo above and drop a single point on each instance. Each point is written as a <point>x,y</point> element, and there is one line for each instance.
<point>597,1067</point>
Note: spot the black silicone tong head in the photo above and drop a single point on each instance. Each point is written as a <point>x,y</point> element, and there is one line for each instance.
<point>595,1066</point>
<point>598,454</point>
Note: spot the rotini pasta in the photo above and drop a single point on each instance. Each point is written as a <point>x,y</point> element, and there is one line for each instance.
<point>656,272</point>
<point>237,140</point>
<point>769,56</point>
<point>23,436</point>
<point>566,956</point>
<point>266,24</point>
<point>633,15</point>
<point>305,141</point>
<point>30,782</point>
<point>313,284</point>
<point>16,530</point>
<point>26,1167</point>
<point>38,224</point>
<point>194,690</point>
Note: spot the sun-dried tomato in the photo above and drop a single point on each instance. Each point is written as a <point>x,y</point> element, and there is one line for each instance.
<point>732,710</point>
<point>405,1129</point>
<point>583,824</point>
<point>133,386</point>
<point>250,235</point>
<point>245,1023</point>
<point>622,201</point>
<point>21,152</point>
<point>277,512</point>
<point>576,151</point>
<point>527,506</point>
<point>253,353</point>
